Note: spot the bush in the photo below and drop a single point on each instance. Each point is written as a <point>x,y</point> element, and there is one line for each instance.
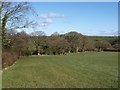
<point>8,58</point>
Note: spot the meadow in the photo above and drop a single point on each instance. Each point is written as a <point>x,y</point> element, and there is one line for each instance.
<point>81,70</point>
<point>108,38</point>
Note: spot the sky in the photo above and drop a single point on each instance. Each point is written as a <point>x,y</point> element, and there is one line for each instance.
<point>87,18</point>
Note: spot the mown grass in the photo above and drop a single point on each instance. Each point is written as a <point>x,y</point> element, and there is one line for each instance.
<point>82,70</point>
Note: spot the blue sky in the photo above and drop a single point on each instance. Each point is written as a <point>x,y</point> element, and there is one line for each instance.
<point>88,18</point>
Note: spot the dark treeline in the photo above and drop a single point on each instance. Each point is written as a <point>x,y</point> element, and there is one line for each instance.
<point>19,44</point>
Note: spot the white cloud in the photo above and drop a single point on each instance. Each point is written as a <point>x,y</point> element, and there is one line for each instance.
<point>48,18</point>
<point>51,15</point>
<point>43,16</point>
<point>42,24</point>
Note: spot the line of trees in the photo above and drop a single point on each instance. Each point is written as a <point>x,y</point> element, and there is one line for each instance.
<point>38,43</point>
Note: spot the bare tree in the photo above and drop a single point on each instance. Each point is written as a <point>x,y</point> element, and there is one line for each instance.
<point>14,15</point>
<point>75,39</point>
<point>55,34</point>
<point>57,45</point>
<point>36,38</point>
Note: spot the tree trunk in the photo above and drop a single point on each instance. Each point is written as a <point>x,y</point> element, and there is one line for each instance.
<point>76,49</point>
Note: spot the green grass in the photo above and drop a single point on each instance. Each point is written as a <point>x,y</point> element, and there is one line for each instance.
<point>108,38</point>
<point>82,70</point>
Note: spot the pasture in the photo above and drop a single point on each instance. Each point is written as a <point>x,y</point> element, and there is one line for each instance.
<point>108,38</point>
<point>81,70</point>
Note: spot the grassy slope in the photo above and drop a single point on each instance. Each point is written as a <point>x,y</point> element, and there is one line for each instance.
<point>74,70</point>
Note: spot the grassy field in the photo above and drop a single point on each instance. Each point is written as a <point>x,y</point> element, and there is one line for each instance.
<point>108,38</point>
<point>82,70</point>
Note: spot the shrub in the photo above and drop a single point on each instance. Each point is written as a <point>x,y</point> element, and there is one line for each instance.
<point>8,58</point>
